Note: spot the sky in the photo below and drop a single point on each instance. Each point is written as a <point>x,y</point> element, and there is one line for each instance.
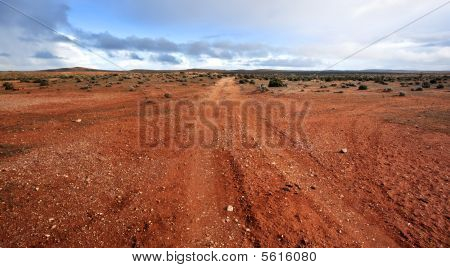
<point>224,34</point>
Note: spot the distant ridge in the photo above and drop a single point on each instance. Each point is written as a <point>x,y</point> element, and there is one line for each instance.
<point>74,69</point>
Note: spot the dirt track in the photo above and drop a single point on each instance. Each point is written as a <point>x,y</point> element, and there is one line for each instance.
<point>93,184</point>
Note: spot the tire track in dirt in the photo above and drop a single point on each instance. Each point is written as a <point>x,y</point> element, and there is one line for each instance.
<point>323,205</point>
<point>212,184</point>
<point>326,198</point>
<point>220,94</point>
<point>266,228</point>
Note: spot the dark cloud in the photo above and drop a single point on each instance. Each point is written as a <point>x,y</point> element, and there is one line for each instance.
<point>3,54</point>
<point>225,49</point>
<point>197,48</point>
<point>444,43</point>
<point>167,59</point>
<point>45,55</point>
<point>108,41</point>
<point>222,50</point>
<point>51,13</point>
<point>135,56</point>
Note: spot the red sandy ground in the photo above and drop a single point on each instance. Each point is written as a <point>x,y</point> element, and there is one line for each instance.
<point>91,184</point>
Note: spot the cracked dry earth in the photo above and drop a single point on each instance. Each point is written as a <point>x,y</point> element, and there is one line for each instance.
<point>98,182</point>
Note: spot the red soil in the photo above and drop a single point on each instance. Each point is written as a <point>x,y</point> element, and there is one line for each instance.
<point>93,184</point>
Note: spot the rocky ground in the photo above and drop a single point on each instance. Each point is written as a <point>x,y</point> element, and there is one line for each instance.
<point>324,169</point>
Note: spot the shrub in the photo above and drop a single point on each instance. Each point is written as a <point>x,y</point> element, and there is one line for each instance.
<point>43,82</point>
<point>440,86</point>
<point>8,86</point>
<point>425,85</point>
<point>263,88</point>
<point>275,82</point>
<point>402,94</point>
<point>379,80</point>
<point>350,85</point>
<point>167,95</point>
<point>363,87</point>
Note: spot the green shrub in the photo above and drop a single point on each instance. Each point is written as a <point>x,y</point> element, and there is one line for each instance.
<point>363,87</point>
<point>43,83</point>
<point>425,85</point>
<point>275,82</point>
<point>8,86</point>
<point>263,88</point>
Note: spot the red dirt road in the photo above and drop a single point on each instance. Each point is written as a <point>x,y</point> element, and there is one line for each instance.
<point>95,184</point>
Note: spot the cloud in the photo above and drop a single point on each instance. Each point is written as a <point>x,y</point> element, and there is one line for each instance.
<point>45,55</point>
<point>51,13</point>
<point>287,62</point>
<point>285,18</point>
<point>135,56</point>
<point>443,43</point>
<point>4,54</point>
<point>167,59</point>
<point>218,49</point>
<point>108,41</point>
